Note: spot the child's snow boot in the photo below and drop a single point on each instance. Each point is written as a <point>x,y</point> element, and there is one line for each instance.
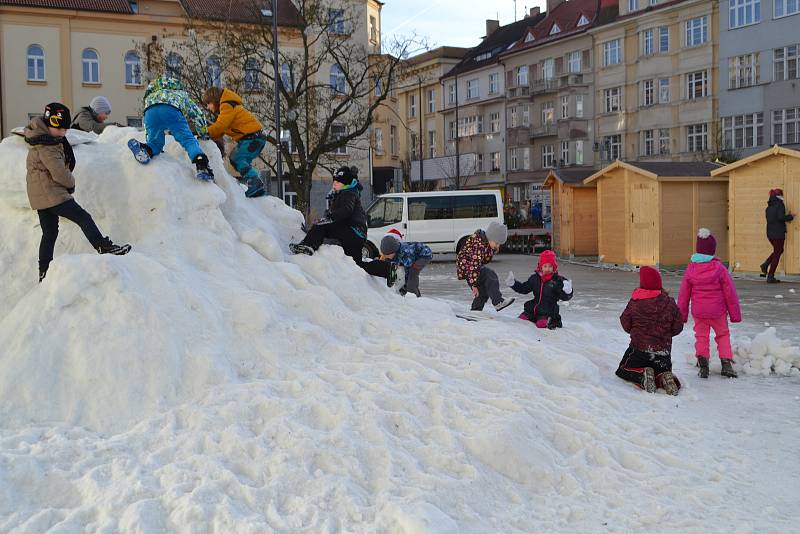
<point>727,369</point>
<point>107,247</point>
<point>298,248</point>
<point>255,187</point>
<point>555,322</point>
<point>503,304</point>
<point>702,363</point>
<point>141,151</point>
<point>204,172</point>
<point>391,277</point>
<point>668,381</point>
<point>649,380</point>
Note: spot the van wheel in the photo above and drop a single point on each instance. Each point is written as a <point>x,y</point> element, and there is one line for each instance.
<point>369,251</point>
<point>460,244</point>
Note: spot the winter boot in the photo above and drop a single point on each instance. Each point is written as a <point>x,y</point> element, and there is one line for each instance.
<point>298,248</point>
<point>204,172</point>
<point>141,151</point>
<point>503,304</point>
<point>42,274</point>
<point>727,369</point>
<point>702,363</point>
<point>772,280</point>
<point>764,266</point>
<point>668,381</point>
<point>555,322</point>
<point>649,380</point>
<point>391,278</point>
<point>107,247</point>
<point>255,187</point>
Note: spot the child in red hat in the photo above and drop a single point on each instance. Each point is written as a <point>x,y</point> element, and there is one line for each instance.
<point>652,319</point>
<point>548,287</point>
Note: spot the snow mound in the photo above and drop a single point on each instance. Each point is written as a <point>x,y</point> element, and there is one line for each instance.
<point>767,354</point>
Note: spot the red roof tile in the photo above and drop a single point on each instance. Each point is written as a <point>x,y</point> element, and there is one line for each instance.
<point>104,6</point>
<point>240,10</point>
<point>567,15</point>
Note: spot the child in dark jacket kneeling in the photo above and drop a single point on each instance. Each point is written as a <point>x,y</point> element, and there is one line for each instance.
<point>652,318</point>
<point>548,287</point>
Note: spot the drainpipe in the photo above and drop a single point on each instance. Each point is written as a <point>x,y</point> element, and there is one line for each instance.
<point>458,143</point>
<point>421,143</point>
<point>2,102</point>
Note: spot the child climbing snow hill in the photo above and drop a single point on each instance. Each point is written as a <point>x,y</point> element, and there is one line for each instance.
<point>652,319</point>
<point>167,106</point>
<point>50,185</point>
<point>709,288</point>
<point>413,256</point>
<point>477,251</point>
<point>548,287</point>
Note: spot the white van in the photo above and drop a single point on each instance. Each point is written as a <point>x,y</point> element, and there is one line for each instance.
<point>441,219</point>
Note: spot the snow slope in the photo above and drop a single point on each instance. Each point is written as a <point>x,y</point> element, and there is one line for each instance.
<point>209,382</point>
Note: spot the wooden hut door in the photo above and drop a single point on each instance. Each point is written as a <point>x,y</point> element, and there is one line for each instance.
<point>643,224</point>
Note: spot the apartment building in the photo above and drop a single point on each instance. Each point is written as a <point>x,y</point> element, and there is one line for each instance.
<point>385,131</point>
<point>759,66</point>
<point>656,75</point>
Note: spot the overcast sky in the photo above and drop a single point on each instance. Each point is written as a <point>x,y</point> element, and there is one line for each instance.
<point>450,22</point>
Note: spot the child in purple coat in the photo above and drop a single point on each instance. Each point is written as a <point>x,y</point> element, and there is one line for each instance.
<point>708,285</point>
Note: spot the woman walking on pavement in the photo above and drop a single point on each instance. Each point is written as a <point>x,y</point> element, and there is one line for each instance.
<point>776,233</point>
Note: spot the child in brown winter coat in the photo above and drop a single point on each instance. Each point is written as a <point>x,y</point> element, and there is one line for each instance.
<point>50,185</point>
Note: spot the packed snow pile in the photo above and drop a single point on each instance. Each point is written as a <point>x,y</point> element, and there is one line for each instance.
<point>767,354</point>
<point>210,382</point>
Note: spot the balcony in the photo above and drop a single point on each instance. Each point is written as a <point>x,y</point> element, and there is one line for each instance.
<point>571,80</point>
<point>545,86</point>
<point>544,130</point>
<point>444,168</point>
<point>523,91</point>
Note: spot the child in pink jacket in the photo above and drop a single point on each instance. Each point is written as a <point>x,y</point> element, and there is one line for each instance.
<point>708,285</point>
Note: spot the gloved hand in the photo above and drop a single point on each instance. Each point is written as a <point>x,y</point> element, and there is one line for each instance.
<point>510,280</point>
<point>568,287</point>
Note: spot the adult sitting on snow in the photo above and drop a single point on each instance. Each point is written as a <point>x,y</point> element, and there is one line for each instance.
<point>93,118</point>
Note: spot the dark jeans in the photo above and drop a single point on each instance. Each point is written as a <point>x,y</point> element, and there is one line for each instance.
<point>412,276</point>
<point>634,362</point>
<point>775,257</point>
<point>49,221</point>
<point>488,288</point>
<point>351,243</point>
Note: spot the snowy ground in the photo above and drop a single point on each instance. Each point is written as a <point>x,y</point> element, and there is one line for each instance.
<point>208,382</point>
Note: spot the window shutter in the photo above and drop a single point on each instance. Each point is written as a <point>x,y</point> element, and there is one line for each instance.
<point>586,60</point>
<point>559,66</point>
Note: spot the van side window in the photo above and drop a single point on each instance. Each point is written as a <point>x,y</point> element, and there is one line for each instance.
<point>384,212</point>
<point>430,208</point>
<point>474,207</point>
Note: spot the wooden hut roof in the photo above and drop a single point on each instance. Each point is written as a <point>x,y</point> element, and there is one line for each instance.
<point>660,169</point>
<point>774,151</point>
<point>569,176</point>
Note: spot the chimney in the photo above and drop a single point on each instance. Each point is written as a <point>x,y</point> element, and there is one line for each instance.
<point>552,4</point>
<point>534,12</point>
<point>492,26</point>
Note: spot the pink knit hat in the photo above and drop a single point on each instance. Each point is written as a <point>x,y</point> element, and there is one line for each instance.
<point>706,244</point>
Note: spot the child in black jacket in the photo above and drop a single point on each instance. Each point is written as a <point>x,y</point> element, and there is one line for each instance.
<point>548,287</point>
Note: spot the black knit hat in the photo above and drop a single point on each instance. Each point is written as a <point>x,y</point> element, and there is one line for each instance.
<point>345,175</point>
<point>57,115</point>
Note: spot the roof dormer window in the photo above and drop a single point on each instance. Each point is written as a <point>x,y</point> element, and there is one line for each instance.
<point>583,21</point>
<point>555,29</point>
<point>529,38</point>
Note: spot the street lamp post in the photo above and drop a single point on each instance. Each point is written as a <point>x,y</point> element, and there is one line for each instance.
<point>274,14</point>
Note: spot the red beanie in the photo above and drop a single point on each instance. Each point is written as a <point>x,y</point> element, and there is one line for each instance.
<point>650,278</point>
<point>395,231</point>
<point>776,192</point>
<point>548,256</point>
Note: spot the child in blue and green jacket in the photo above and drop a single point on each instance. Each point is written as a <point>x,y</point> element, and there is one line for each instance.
<point>412,256</point>
<point>167,106</point>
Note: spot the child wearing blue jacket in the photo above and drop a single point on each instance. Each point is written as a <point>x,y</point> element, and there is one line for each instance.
<point>412,256</point>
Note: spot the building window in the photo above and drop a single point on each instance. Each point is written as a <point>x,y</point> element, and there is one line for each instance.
<point>494,81</point>
<point>574,61</point>
<point>174,65</point>
<point>469,126</point>
<point>786,7</point>
<point>744,71</point>
<point>373,29</point>
<point>613,147</point>
<point>663,142</point>
<point>451,93</point>
<point>648,93</point>
<point>379,141</point>
<point>289,195</point>
<point>36,63</point>
<point>453,129</point>
<point>414,146</point>
<point>579,106</point>
<point>286,140</point>
<point>648,46</point>
<point>133,68</point>
<point>548,113</point>
<point>431,101</point>
<point>787,61</point>
<point>663,39</point>
<point>526,159</point>
<point>91,66</point>
<point>555,29</point>
<point>495,161</point>
<point>512,156</point>
<point>549,69</point>
<point>648,143</point>
<point>744,12</point>
<point>564,153</point>
<point>522,76</point>
<point>513,117</point>
<point>431,144</point>
<point>611,53</point>
<point>697,31</point>
<point>412,105</point>
<point>287,78</point>
<point>526,115</point>
<point>494,122</point>
<point>663,91</point>
<point>611,99</point>
<point>336,21</point>
<point>564,107</point>
<point>697,137</point>
<point>786,126</point>
<point>378,83</point>
<point>479,163</point>
<point>697,85</point>
<point>473,89</point>
<point>548,155</point>
<point>743,131</point>
<point>337,80</point>
<point>583,21</point>
<point>214,72</point>
<point>633,5</point>
<point>338,132</point>
<point>252,81</point>
<point>393,139</point>
<point>578,152</point>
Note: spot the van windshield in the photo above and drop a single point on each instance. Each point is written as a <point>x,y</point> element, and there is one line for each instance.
<point>385,212</point>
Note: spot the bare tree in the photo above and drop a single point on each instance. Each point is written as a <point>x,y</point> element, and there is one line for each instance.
<point>331,84</point>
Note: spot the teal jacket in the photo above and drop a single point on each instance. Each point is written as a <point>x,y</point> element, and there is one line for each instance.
<point>169,91</point>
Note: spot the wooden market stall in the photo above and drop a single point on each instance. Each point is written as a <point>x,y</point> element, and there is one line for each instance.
<point>649,212</point>
<point>750,181</point>
<point>574,212</point>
